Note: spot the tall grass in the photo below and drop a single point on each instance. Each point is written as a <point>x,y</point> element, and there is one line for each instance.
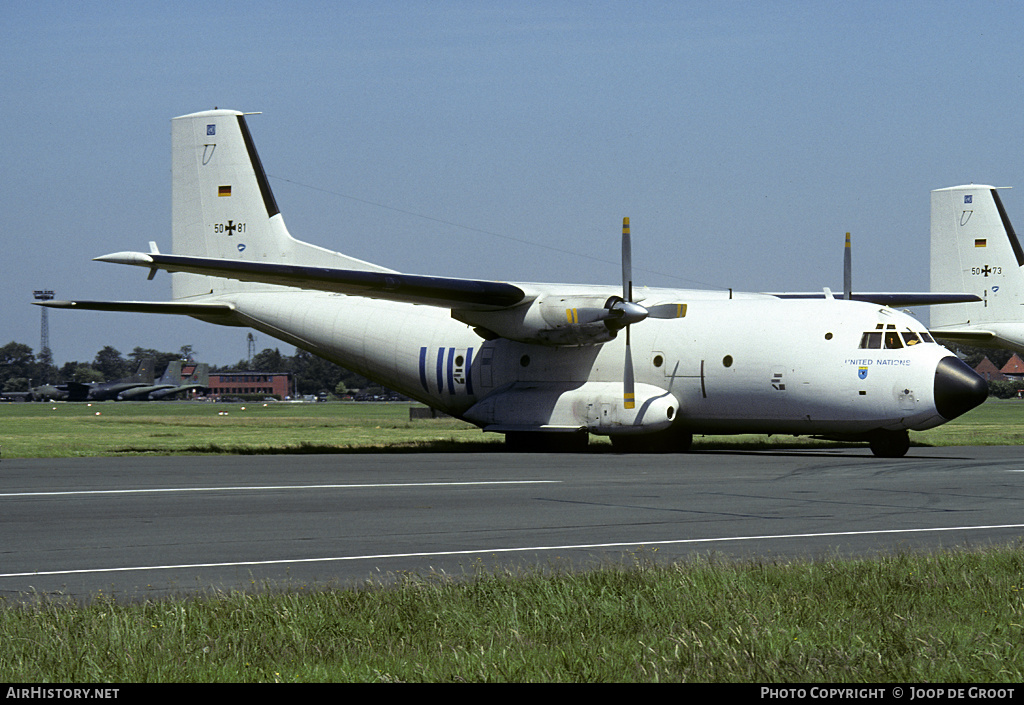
<point>947,617</point>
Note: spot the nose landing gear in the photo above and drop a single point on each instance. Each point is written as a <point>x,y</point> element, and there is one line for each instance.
<point>889,444</point>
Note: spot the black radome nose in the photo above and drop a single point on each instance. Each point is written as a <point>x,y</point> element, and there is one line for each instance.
<point>958,388</point>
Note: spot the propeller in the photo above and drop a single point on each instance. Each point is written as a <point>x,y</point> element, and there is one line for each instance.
<point>623,312</point>
<point>631,313</point>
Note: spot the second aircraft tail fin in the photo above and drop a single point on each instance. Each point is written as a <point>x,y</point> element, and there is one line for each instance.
<point>974,249</point>
<point>199,375</point>
<point>172,373</point>
<point>143,373</point>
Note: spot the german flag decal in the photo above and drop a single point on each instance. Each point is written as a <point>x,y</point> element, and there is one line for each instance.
<point>223,190</point>
<point>980,242</point>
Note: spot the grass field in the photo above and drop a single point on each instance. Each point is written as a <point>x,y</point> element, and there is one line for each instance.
<point>954,617</point>
<point>38,430</point>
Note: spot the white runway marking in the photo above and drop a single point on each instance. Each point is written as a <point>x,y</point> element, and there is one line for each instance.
<point>434,554</point>
<point>66,493</point>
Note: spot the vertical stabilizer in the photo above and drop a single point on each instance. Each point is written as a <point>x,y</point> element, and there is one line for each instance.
<point>223,207</point>
<point>171,375</point>
<point>144,373</point>
<point>200,375</point>
<point>975,250</point>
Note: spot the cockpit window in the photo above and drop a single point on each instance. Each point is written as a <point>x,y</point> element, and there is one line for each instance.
<point>892,340</point>
<point>871,341</point>
<point>887,336</point>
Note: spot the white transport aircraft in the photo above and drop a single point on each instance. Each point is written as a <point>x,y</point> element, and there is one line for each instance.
<point>975,250</point>
<point>547,364</point>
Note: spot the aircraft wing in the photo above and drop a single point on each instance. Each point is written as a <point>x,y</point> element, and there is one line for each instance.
<point>393,286</point>
<point>170,307</point>
<point>890,298</point>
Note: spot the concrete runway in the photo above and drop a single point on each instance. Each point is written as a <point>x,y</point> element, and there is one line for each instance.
<point>150,527</point>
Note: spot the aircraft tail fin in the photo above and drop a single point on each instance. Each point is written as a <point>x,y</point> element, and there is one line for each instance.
<point>974,249</point>
<point>198,374</point>
<point>171,375</point>
<point>144,373</point>
<point>223,207</point>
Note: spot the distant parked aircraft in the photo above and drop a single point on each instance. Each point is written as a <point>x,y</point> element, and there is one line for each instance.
<point>96,391</point>
<point>174,380</point>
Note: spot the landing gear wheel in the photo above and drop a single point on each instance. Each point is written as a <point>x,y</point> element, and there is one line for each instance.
<point>890,444</point>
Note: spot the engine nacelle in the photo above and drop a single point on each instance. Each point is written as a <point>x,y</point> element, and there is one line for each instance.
<point>564,321</point>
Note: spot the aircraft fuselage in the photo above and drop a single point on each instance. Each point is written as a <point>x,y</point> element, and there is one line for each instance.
<point>750,364</point>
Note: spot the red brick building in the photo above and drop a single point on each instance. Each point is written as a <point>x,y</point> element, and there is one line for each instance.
<point>988,370</point>
<point>1014,369</point>
<point>277,384</point>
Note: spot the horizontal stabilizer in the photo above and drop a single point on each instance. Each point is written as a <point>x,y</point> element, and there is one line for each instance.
<point>886,298</point>
<point>168,307</point>
<point>392,286</point>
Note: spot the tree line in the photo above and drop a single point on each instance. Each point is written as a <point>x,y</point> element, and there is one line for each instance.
<point>21,367</point>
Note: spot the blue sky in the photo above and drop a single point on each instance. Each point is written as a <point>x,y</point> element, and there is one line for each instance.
<point>504,140</point>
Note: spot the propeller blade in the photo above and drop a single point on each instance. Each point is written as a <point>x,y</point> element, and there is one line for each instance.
<point>627,262</point>
<point>847,271</point>
<point>628,393</point>
<point>667,311</point>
